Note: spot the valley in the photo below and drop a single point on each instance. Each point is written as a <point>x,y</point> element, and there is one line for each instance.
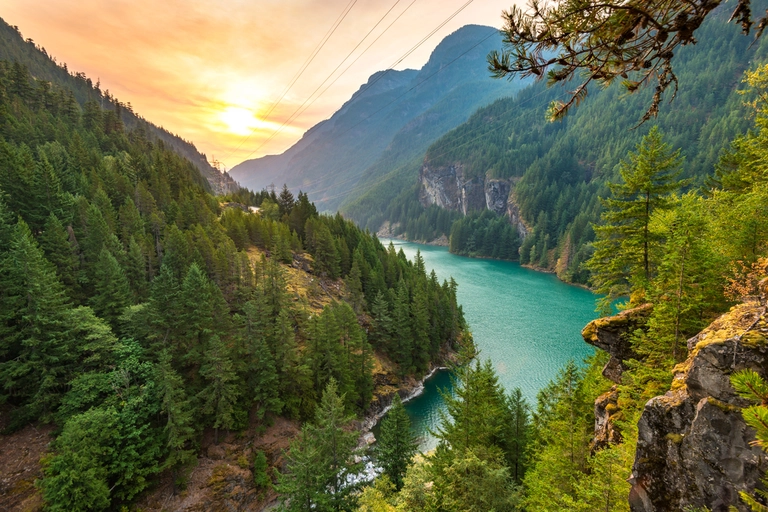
<point>584,275</point>
<point>510,311</point>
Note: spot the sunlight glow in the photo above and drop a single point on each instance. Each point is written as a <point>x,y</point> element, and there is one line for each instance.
<point>239,120</point>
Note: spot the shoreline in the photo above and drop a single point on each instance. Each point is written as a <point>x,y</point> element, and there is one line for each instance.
<point>489,258</point>
<point>371,420</point>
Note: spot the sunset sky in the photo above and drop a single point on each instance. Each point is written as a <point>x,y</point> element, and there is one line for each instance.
<point>211,70</point>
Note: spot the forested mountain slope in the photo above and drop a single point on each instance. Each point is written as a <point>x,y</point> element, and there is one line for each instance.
<point>670,412</point>
<point>44,67</point>
<point>142,316</point>
<point>390,120</point>
<point>545,178</point>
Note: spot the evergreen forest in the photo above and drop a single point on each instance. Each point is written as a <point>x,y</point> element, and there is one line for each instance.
<point>151,319</point>
<point>559,170</point>
<point>140,312</point>
<point>675,258</point>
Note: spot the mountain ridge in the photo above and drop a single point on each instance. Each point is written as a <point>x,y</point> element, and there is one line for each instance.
<point>42,65</point>
<point>337,154</point>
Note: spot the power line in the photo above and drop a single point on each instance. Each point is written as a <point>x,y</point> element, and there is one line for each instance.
<point>387,176</point>
<point>370,84</point>
<point>299,111</point>
<point>417,85</point>
<point>327,176</point>
<point>302,68</point>
<point>361,54</point>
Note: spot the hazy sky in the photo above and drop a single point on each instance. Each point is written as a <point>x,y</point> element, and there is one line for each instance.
<point>211,70</point>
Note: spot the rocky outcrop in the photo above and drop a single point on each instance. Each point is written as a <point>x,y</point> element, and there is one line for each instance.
<point>513,212</point>
<point>694,449</point>
<point>606,410</point>
<point>496,195</point>
<point>611,335</point>
<point>447,187</point>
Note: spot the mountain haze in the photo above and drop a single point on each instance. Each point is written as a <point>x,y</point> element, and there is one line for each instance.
<point>43,66</point>
<point>390,120</point>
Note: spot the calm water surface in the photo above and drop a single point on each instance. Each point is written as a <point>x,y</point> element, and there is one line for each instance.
<point>527,323</point>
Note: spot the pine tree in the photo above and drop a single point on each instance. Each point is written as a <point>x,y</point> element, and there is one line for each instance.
<point>421,348</point>
<point>361,367</point>
<point>476,412</point>
<point>196,313</point>
<point>687,284</point>
<point>58,250</point>
<point>302,487</point>
<point>109,452</point>
<point>321,463</point>
<point>516,434</point>
<point>750,386</point>
<point>36,349</point>
<point>222,389</point>
<point>178,412</point>
<point>163,310</point>
<point>112,291</point>
<point>382,322</point>
<point>402,336</point>
<point>562,426</point>
<point>285,201</point>
<point>474,481</point>
<point>623,261</point>
<point>355,286</point>
<point>327,258</point>
<point>265,388</point>
<point>136,270</point>
<point>261,478</point>
<point>96,238</point>
<point>326,354</point>
<point>397,444</point>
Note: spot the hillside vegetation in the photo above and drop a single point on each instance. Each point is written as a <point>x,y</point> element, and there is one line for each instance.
<point>44,67</point>
<point>557,170</point>
<point>136,315</point>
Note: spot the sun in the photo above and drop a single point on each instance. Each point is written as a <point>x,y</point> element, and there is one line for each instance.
<point>239,120</point>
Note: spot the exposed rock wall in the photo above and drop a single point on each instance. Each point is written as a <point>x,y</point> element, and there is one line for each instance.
<point>513,212</point>
<point>496,195</point>
<point>694,448</point>
<point>449,188</point>
<point>606,409</point>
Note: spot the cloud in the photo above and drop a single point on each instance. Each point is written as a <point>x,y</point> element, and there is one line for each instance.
<point>182,63</point>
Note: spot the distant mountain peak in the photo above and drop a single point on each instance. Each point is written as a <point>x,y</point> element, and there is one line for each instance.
<point>336,155</point>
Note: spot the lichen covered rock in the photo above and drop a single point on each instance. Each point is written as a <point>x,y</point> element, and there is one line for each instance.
<point>611,335</point>
<point>694,448</point>
<point>606,410</point>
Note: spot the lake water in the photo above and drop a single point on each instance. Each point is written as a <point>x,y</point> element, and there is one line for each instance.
<point>527,323</point>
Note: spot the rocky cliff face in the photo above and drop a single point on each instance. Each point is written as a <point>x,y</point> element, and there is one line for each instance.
<point>449,188</point>
<point>694,448</point>
<point>513,212</point>
<point>610,335</point>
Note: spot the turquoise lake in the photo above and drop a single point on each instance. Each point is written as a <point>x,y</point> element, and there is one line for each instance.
<point>527,323</point>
